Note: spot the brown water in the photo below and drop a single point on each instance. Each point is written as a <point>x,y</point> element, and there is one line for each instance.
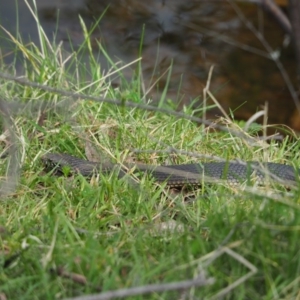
<point>190,36</point>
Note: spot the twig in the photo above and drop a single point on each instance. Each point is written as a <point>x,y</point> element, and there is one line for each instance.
<point>228,40</point>
<point>271,7</point>
<point>172,150</point>
<point>269,49</point>
<point>199,281</point>
<point>78,278</point>
<point>99,99</point>
<point>126,103</point>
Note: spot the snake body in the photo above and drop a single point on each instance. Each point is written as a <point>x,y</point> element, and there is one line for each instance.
<point>183,174</point>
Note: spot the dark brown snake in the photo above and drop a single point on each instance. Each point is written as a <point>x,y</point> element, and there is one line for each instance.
<point>180,175</point>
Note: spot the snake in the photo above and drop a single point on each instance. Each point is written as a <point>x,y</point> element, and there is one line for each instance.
<point>178,176</point>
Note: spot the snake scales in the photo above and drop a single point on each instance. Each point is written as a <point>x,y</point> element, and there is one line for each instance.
<point>180,175</point>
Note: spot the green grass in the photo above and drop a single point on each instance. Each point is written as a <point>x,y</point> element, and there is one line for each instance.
<point>108,231</point>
